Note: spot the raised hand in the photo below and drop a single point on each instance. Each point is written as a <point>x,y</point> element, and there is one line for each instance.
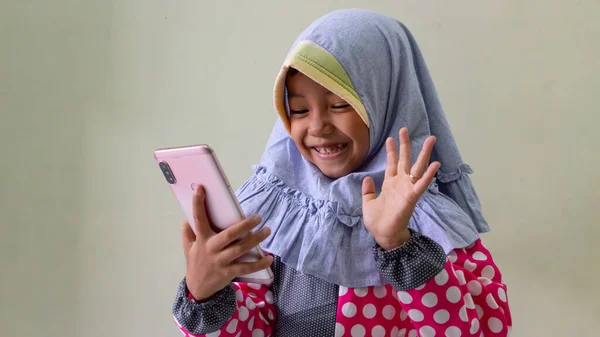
<point>386,216</point>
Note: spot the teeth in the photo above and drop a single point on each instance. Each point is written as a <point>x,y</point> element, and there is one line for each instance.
<point>330,150</point>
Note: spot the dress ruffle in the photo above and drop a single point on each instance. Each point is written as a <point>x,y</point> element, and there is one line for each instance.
<point>318,238</point>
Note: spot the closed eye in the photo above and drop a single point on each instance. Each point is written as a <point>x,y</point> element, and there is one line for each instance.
<point>341,106</point>
<point>298,112</point>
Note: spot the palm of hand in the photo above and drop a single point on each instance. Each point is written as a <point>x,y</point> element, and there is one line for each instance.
<point>386,216</point>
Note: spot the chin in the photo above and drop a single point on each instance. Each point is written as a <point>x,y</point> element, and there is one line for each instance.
<point>333,173</point>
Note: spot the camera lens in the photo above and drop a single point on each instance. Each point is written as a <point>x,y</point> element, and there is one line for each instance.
<point>167,172</point>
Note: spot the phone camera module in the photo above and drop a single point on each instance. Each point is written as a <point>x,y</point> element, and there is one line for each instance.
<point>166,170</point>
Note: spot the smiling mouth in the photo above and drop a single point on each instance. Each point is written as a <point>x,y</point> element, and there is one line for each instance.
<point>329,152</point>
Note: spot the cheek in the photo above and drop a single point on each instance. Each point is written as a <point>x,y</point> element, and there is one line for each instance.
<point>361,140</point>
<point>297,136</point>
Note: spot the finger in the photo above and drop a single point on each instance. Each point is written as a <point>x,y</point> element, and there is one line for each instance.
<point>391,169</point>
<point>422,184</point>
<point>235,251</point>
<point>244,268</point>
<point>368,189</point>
<point>233,233</point>
<point>421,165</point>
<point>201,223</point>
<point>188,237</point>
<point>405,152</point>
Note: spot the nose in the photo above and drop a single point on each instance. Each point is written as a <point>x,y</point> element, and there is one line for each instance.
<point>320,123</point>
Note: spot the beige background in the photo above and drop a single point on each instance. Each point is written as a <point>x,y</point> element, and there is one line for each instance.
<point>90,232</point>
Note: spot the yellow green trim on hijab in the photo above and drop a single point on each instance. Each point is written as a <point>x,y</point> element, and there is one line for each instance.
<point>319,65</point>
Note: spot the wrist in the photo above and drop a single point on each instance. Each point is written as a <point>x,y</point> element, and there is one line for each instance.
<point>196,295</point>
<point>390,244</point>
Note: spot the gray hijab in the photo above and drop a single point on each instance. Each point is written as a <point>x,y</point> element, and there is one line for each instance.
<point>316,222</point>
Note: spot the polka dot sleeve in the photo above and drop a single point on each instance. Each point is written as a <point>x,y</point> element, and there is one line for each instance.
<point>412,264</point>
<point>239,310</point>
<point>466,298</point>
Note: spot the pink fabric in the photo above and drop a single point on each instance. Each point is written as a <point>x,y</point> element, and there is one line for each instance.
<point>255,314</point>
<point>466,299</point>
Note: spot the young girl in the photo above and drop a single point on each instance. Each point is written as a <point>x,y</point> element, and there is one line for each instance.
<point>363,239</point>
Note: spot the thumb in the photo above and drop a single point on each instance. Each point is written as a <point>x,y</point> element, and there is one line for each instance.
<point>188,237</point>
<point>368,190</point>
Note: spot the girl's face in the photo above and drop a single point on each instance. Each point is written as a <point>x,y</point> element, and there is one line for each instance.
<point>327,131</point>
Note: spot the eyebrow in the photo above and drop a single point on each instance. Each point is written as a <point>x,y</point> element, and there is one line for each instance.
<point>297,95</point>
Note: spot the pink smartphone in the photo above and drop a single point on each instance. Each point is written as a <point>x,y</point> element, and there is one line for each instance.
<point>187,166</point>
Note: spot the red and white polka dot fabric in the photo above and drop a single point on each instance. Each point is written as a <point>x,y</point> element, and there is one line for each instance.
<point>466,299</point>
<point>254,317</point>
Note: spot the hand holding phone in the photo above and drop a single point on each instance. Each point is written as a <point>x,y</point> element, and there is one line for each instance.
<point>218,241</point>
<point>211,258</point>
